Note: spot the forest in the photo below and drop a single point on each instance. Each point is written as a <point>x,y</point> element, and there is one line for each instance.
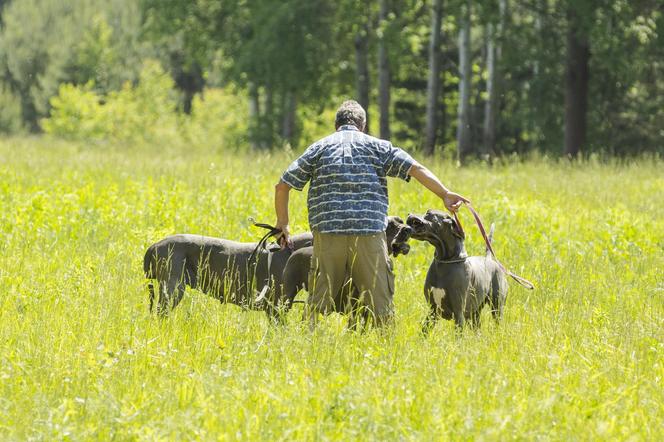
<point>459,78</point>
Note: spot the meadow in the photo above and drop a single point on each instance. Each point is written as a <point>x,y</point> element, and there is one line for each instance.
<point>579,358</point>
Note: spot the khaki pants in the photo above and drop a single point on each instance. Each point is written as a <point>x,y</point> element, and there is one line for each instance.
<point>364,259</point>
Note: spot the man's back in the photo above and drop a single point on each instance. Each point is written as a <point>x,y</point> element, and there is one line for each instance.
<point>348,189</point>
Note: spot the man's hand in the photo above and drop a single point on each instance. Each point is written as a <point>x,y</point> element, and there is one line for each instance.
<point>453,201</point>
<point>284,238</point>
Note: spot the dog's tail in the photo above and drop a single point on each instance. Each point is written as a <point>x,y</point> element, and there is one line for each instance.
<point>490,238</point>
<point>149,264</point>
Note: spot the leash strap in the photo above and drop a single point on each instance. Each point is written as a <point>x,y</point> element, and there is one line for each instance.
<point>522,281</point>
<point>272,231</point>
<point>252,263</point>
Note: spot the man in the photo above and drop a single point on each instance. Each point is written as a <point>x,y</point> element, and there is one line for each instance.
<point>347,204</point>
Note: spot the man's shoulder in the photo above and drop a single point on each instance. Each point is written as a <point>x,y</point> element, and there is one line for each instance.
<point>356,138</point>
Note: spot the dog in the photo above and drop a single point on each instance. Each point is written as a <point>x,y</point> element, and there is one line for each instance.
<point>222,268</point>
<point>457,286</point>
<point>296,272</point>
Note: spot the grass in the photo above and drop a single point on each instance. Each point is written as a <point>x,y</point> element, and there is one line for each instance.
<point>579,358</point>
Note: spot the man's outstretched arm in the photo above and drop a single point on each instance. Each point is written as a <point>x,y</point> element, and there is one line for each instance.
<point>451,200</point>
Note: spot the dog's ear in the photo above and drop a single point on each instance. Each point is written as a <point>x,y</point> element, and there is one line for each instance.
<point>457,230</point>
<point>454,227</point>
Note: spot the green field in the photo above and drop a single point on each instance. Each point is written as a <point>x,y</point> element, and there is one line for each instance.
<point>579,358</point>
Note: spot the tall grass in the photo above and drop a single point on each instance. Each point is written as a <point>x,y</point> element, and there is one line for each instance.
<point>581,357</point>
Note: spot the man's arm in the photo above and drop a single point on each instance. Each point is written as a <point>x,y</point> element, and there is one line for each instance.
<point>281,192</point>
<point>452,200</point>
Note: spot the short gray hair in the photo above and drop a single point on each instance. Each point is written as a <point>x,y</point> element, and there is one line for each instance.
<point>350,112</point>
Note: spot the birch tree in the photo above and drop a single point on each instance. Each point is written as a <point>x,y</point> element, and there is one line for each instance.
<point>493,52</point>
<point>383,72</point>
<point>433,81</point>
<point>463,122</point>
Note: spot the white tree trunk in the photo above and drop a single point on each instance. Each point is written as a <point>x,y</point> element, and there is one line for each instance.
<point>383,75</point>
<point>433,82</point>
<point>362,72</point>
<point>254,115</point>
<point>463,126</point>
<point>493,52</point>
<point>288,123</point>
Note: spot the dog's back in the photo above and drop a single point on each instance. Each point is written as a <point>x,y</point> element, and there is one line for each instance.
<point>213,265</point>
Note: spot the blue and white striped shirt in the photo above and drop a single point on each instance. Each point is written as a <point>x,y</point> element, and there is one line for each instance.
<point>348,171</point>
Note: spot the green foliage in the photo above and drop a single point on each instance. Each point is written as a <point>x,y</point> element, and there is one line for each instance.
<point>81,359</point>
<point>44,43</point>
<point>145,111</point>
<point>218,120</point>
<point>297,58</point>
<point>11,120</point>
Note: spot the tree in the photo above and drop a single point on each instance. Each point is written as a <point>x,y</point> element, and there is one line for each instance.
<point>576,83</point>
<point>433,81</point>
<point>463,119</point>
<point>383,71</point>
<point>92,44</point>
<point>493,51</point>
<point>362,67</point>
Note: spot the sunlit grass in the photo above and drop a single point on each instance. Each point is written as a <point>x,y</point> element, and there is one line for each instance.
<point>581,357</point>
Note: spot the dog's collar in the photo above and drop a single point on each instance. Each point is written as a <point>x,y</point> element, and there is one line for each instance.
<point>451,261</point>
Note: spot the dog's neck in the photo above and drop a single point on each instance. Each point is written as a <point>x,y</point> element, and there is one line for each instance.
<point>450,250</point>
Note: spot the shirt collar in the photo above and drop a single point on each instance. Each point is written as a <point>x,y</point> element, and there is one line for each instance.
<point>348,127</point>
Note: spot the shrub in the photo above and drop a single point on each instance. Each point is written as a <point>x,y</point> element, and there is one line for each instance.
<point>145,111</point>
<point>218,118</point>
<point>11,121</point>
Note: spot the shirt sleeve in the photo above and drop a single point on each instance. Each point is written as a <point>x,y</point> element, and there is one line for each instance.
<point>301,170</point>
<point>397,163</point>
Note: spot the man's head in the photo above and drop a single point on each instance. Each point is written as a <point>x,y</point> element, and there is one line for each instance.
<point>350,112</point>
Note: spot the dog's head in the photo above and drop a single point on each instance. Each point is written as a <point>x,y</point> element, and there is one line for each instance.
<point>397,234</point>
<point>439,229</point>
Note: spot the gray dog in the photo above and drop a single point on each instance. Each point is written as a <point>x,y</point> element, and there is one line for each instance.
<point>218,267</point>
<point>297,268</point>
<point>457,286</point>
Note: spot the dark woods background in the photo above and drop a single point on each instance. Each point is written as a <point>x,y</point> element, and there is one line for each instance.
<point>461,77</point>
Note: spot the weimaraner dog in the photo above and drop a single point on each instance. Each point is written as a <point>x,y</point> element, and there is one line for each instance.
<point>297,268</point>
<point>457,286</point>
<point>218,267</point>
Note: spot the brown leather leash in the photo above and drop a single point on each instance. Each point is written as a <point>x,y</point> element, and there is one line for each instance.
<point>522,281</point>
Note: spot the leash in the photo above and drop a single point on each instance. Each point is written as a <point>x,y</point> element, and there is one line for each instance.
<point>252,263</point>
<point>272,231</point>
<point>522,281</point>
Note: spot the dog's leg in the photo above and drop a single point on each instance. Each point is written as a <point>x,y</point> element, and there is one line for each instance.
<point>459,320</point>
<point>498,296</point>
<point>354,320</point>
<point>430,321</point>
<point>171,287</point>
<point>170,295</point>
<point>475,319</point>
<point>151,294</point>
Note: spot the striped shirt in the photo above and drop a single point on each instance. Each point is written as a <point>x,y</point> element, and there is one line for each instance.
<point>348,171</point>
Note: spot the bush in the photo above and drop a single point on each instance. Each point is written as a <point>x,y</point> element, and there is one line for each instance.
<point>218,118</point>
<point>11,121</point>
<point>145,111</point>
